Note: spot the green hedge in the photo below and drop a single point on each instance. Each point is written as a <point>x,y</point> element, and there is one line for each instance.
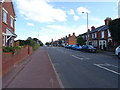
<point>11,49</point>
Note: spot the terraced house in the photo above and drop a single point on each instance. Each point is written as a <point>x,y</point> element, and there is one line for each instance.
<point>100,37</point>
<point>8,23</point>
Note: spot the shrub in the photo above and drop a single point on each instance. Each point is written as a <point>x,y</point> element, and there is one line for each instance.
<point>36,46</point>
<point>10,49</point>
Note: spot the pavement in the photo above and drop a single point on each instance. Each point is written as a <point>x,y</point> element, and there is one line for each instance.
<point>37,71</point>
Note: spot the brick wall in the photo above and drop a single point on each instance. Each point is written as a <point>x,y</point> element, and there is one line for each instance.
<point>10,59</point>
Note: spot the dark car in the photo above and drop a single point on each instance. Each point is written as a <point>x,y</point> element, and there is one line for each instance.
<point>88,48</point>
<point>76,47</point>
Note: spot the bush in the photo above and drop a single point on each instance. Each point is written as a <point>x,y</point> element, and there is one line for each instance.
<point>36,46</point>
<point>10,49</point>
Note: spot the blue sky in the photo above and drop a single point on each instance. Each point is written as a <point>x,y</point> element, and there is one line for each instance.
<point>58,19</point>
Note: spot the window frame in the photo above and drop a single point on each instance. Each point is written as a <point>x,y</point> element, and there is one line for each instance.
<point>5,17</point>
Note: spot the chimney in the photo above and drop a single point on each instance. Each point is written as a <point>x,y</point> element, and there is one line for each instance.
<point>92,28</point>
<point>69,35</point>
<point>66,36</point>
<point>88,30</point>
<point>107,20</point>
<point>74,34</point>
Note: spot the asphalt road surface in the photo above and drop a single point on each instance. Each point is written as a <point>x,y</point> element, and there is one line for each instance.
<point>78,69</point>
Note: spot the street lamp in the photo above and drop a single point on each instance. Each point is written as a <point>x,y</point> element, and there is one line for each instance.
<point>87,25</point>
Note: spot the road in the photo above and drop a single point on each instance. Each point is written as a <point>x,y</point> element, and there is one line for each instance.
<point>78,69</point>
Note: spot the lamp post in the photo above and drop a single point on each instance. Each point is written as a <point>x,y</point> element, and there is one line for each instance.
<point>87,26</point>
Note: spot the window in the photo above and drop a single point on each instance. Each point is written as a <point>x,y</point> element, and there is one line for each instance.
<point>94,35</point>
<point>102,34</point>
<point>4,16</point>
<point>11,21</point>
<point>109,34</point>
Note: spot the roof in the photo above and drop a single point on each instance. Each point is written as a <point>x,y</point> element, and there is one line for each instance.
<point>12,32</point>
<point>101,28</point>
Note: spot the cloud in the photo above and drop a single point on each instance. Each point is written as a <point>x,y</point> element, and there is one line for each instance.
<point>82,9</point>
<point>71,12</point>
<point>76,18</point>
<point>40,11</point>
<point>30,24</point>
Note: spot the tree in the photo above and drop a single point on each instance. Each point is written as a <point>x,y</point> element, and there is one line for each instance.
<point>80,40</point>
<point>114,27</point>
<point>60,42</point>
<point>47,43</point>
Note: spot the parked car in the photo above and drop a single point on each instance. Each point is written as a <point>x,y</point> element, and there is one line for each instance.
<point>88,48</point>
<point>76,47</point>
<point>117,51</point>
<point>68,46</point>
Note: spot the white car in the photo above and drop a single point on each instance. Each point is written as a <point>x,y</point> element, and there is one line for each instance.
<point>117,51</point>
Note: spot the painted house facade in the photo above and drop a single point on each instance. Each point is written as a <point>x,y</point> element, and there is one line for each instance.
<point>100,37</point>
<point>8,23</point>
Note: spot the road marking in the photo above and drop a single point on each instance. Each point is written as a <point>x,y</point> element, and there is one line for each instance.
<point>98,65</point>
<point>106,64</point>
<point>77,57</point>
<point>57,76</point>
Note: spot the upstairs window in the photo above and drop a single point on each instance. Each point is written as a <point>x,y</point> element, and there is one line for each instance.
<point>109,34</point>
<point>102,34</point>
<point>4,16</point>
<point>94,35</point>
<point>11,21</point>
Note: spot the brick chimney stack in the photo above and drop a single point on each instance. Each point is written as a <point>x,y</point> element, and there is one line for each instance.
<point>66,36</point>
<point>74,34</point>
<point>107,20</point>
<point>69,35</point>
<point>92,28</point>
<point>88,30</point>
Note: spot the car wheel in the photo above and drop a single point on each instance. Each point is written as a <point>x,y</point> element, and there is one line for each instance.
<point>119,55</point>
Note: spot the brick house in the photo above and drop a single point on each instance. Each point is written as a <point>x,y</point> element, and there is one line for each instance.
<point>67,40</point>
<point>100,37</point>
<point>72,39</point>
<point>8,23</point>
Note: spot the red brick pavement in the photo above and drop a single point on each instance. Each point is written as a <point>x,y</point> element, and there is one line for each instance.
<point>37,73</point>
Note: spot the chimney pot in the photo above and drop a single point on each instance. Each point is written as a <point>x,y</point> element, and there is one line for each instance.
<point>92,28</point>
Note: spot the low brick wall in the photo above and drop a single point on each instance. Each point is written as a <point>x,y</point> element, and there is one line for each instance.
<point>10,59</point>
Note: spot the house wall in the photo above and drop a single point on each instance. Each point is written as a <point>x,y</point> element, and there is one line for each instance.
<point>9,7</point>
<point>0,43</point>
<point>72,40</point>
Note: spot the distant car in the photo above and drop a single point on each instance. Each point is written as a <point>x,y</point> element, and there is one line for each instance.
<point>117,51</point>
<point>68,46</point>
<point>88,48</point>
<point>76,47</point>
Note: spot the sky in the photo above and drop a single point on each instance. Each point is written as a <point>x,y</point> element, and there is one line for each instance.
<point>47,19</point>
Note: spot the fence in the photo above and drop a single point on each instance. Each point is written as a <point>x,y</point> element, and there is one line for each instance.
<point>10,59</point>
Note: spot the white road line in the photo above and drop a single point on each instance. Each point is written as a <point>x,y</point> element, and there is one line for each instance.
<point>106,64</point>
<point>77,57</point>
<point>58,78</point>
<point>107,69</point>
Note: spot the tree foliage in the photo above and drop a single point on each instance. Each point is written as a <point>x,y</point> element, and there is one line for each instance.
<point>80,40</point>
<point>114,27</point>
<point>47,43</point>
<point>60,42</point>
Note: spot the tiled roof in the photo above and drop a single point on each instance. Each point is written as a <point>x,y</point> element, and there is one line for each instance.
<point>101,28</point>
